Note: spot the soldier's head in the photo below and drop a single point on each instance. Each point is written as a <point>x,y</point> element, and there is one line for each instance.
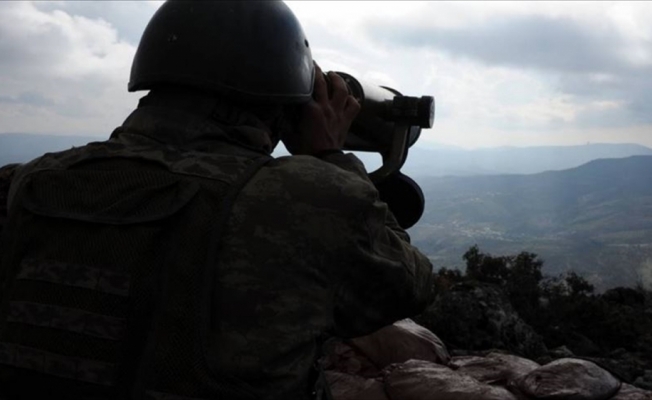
<point>251,53</point>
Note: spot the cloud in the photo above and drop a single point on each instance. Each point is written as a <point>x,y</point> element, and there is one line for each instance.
<point>59,45</point>
<point>502,72</point>
<point>62,72</point>
<point>128,18</point>
<point>631,87</point>
<point>33,98</point>
<point>588,61</point>
<point>539,42</point>
<point>479,102</point>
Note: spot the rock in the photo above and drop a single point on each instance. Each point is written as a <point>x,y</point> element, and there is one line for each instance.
<point>627,368</point>
<point>404,340</point>
<point>341,357</point>
<point>543,360</point>
<point>629,392</point>
<point>561,352</point>
<point>423,380</point>
<point>569,378</point>
<point>459,353</point>
<point>645,381</point>
<point>618,353</point>
<point>350,387</point>
<point>476,316</point>
<point>495,368</point>
<point>574,341</point>
<point>581,345</point>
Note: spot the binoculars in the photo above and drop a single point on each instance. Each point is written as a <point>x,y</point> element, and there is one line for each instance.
<point>389,123</point>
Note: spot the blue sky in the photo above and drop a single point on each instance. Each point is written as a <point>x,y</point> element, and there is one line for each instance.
<point>503,73</point>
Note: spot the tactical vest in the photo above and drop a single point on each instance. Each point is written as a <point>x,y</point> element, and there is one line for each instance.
<point>106,273</point>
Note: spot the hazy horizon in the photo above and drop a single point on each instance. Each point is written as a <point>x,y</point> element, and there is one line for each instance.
<point>422,143</point>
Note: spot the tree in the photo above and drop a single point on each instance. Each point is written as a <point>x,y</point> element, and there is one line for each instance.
<point>523,283</point>
<point>577,285</point>
<point>485,268</point>
<point>518,275</point>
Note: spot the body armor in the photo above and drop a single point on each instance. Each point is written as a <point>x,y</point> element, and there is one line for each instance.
<point>126,314</point>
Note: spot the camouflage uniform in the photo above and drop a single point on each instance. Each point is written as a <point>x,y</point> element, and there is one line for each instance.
<point>307,251</point>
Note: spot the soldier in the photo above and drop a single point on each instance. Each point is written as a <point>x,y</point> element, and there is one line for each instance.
<point>178,259</point>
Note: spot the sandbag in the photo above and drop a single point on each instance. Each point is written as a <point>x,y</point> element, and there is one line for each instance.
<point>495,368</point>
<point>350,387</point>
<point>404,340</point>
<point>423,380</point>
<point>630,392</point>
<point>342,357</point>
<point>569,378</point>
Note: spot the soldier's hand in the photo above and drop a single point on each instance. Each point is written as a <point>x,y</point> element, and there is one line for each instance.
<point>326,119</point>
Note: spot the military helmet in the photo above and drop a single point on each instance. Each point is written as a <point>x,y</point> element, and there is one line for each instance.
<point>251,51</point>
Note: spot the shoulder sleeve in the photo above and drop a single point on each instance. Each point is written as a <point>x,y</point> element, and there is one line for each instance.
<point>383,278</point>
<point>347,162</point>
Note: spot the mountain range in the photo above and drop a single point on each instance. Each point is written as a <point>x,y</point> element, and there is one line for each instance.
<point>595,219</point>
<point>451,161</point>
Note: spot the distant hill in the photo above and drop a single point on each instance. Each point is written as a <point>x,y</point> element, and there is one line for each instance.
<point>512,160</point>
<point>595,219</point>
<point>22,147</point>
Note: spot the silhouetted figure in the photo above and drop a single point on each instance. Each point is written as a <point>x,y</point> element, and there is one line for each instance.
<point>178,259</point>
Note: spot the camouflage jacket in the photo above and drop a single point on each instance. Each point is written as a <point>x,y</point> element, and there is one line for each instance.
<point>309,250</point>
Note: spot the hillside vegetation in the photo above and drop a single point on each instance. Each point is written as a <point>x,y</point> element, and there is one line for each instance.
<point>595,219</point>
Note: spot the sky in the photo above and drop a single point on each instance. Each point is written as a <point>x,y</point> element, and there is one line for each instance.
<point>502,73</point>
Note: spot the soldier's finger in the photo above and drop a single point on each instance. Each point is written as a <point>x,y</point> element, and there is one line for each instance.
<point>320,91</point>
<point>352,107</point>
<point>339,90</point>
